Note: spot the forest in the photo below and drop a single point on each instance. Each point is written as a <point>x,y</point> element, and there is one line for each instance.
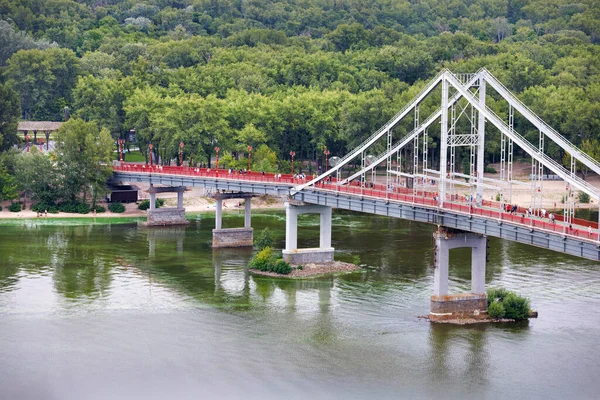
<point>299,75</point>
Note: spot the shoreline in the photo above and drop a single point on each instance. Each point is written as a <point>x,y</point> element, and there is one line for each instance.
<point>312,270</point>
<point>192,205</point>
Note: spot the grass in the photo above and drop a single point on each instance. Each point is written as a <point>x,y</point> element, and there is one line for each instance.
<point>134,156</point>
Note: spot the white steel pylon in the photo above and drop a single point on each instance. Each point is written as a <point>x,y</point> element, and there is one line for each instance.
<point>457,90</point>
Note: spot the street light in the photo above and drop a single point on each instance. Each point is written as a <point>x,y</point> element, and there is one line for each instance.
<point>217,150</point>
<point>150,146</point>
<point>292,153</point>
<point>181,154</point>
<point>121,148</point>
<point>327,153</point>
<point>249,156</point>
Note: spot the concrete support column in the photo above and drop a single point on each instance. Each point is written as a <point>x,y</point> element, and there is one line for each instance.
<point>291,227</point>
<point>219,214</point>
<point>152,201</point>
<point>180,199</point>
<point>441,262</point>
<point>247,213</point>
<point>325,228</point>
<point>478,258</point>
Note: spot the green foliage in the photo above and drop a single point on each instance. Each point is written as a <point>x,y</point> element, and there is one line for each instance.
<point>264,240</point>
<point>490,170</point>
<point>262,260</point>
<point>14,207</point>
<point>505,304</point>
<point>281,267</point>
<point>583,197</point>
<point>83,157</point>
<point>496,294</point>
<point>9,113</point>
<point>99,209</point>
<point>284,75</point>
<point>145,204</point>
<point>356,259</point>
<point>496,310</point>
<point>516,307</point>
<point>265,260</point>
<point>74,207</point>
<point>116,207</point>
<point>42,207</point>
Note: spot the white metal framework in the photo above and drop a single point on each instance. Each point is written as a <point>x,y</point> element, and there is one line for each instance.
<point>463,96</point>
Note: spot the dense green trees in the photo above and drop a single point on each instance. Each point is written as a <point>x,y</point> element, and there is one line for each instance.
<point>288,74</point>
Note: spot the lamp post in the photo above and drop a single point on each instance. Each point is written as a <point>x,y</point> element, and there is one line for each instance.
<point>217,151</point>
<point>292,153</point>
<point>181,154</point>
<point>327,153</point>
<point>150,146</point>
<point>249,156</point>
<point>121,148</point>
<point>27,142</point>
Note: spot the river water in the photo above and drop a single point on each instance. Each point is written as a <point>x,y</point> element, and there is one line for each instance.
<point>119,311</point>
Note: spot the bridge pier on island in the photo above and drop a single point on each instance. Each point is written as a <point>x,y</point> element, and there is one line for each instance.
<point>167,215</point>
<point>445,306</point>
<point>322,254</point>
<point>232,237</point>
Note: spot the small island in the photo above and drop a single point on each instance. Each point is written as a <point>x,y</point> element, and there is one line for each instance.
<point>266,263</point>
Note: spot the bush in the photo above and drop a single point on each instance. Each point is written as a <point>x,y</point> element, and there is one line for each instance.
<point>583,198</point>
<point>356,259</point>
<point>282,267</point>
<point>14,207</point>
<point>496,294</point>
<point>43,207</point>
<point>145,204</point>
<point>99,209</point>
<point>265,261</point>
<point>0,208</point>
<point>116,207</point>
<point>516,307</point>
<point>262,260</point>
<point>496,310</point>
<point>74,207</point>
<point>264,240</point>
<point>490,170</point>
<point>505,304</point>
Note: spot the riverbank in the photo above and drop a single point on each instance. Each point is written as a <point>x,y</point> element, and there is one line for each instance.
<point>312,270</point>
<point>195,201</point>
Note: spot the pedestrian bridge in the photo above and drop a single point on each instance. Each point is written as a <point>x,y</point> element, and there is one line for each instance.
<point>487,219</point>
<point>414,168</point>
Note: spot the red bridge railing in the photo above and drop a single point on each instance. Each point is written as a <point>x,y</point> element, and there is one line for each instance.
<point>489,209</point>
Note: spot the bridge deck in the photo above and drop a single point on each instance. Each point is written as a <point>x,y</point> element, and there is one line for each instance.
<point>401,203</point>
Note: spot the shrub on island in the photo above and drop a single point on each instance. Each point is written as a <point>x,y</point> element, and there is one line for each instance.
<point>266,261</point>
<point>505,304</point>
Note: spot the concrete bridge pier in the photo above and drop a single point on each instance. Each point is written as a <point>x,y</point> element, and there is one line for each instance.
<point>294,255</point>
<point>466,305</point>
<point>167,215</point>
<point>233,237</point>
